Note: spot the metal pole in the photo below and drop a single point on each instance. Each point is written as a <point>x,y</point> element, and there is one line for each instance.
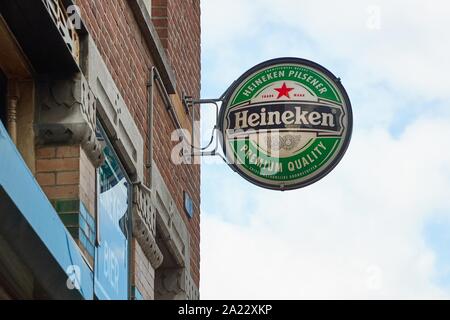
<point>149,164</point>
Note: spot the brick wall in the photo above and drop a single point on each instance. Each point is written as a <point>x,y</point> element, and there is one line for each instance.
<point>144,274</point>
<point>65,172</point>
<point>160,20</point>
<point>55,168</point>
<point>67,177</point>
<point>122,46</point>
<point>178,26</point>
<point>87,177</point>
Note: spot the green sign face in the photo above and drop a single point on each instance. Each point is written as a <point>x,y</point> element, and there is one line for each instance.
<point>286,123</point>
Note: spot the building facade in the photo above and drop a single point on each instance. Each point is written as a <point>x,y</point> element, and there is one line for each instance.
<point>97,200</point>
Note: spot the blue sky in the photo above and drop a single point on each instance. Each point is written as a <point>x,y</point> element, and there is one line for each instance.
<point>376,227</point>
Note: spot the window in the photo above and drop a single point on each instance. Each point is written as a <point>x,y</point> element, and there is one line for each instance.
<point>113,226</point>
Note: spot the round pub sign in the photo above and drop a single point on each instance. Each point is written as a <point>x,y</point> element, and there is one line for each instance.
<point>285,123</point>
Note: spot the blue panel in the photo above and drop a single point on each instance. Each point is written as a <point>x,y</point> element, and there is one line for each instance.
<point>188,204</point>
<point>83,226</point>
<point>20,185</point>
<point>111,264</point>
<point>87,224</point>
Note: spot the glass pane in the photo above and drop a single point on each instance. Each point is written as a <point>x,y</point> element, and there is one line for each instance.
<point>111,266</point>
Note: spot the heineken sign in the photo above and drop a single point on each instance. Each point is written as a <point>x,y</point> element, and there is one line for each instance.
<point>285,123</point>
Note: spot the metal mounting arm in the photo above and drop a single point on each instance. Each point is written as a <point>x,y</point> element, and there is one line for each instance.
<point>202,151</point>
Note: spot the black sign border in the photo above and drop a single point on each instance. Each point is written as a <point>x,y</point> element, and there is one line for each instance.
<point>273,62</point>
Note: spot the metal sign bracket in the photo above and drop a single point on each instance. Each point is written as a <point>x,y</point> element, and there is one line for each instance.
<point>203,151</point>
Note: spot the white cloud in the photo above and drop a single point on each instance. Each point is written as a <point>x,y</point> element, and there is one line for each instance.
<point>409,50</point>
<point>357,233</point>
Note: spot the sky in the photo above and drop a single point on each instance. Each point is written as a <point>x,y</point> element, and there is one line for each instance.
<point>377,226</point>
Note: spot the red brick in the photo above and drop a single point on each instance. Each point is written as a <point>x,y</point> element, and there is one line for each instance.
<point>68,152</point>
<point>50,165</point>
<point>61,192</point>
<point>67,177</point>
<point>159,3</point>
<point>45,179</point>
<point>45,152</point>
<point>159,12</point>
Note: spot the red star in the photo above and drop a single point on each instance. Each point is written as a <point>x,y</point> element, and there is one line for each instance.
<point>283,91</point>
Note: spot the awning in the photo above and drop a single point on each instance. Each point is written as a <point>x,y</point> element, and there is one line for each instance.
<point>32,234</point>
